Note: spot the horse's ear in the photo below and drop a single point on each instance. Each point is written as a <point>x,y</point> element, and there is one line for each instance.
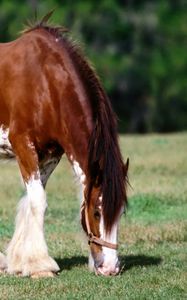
<point>126,167</point>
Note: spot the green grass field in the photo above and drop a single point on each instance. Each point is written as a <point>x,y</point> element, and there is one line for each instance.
<point>153,234</point>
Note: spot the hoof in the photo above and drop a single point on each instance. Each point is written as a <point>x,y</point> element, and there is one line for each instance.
<point>18,274</point>
<point>43,274</point>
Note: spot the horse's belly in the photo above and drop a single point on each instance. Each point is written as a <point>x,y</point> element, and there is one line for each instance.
<point>5,146</point>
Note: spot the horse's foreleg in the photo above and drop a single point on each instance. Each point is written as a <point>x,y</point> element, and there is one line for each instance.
<point>27,252</point>
<point>3,263</point>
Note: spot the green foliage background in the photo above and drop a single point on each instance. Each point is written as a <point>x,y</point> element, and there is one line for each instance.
<point>138,48</point>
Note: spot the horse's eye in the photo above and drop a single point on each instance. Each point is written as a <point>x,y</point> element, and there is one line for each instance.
<point>97,214</point>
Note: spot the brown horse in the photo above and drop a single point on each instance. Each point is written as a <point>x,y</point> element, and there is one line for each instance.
<point>52,102</point>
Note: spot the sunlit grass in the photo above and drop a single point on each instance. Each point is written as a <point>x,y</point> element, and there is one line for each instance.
<point>153,234</point>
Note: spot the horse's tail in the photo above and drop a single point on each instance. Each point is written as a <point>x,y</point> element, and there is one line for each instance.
<point>105,160</point>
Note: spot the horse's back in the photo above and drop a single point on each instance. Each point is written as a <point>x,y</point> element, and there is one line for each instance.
<point>23,74</point>
<point>41,92</point>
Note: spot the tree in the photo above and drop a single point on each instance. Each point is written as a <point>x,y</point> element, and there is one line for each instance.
<point>138,49</point>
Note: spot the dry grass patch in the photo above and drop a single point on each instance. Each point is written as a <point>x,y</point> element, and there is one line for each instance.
<point>135,233</point>
<point>153,234</point>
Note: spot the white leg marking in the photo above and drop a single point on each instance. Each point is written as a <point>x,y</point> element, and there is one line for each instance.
<point>5,146</point>
<point>3,264</point>
<point>79,172</point>
<point>81,177</point>
<point>27,252</point>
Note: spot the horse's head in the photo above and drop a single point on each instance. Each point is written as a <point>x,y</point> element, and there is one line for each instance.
<point>101,211</point>
<point>102,240</point>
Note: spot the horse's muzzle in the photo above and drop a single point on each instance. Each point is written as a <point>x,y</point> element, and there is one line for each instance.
<point>108,270</point>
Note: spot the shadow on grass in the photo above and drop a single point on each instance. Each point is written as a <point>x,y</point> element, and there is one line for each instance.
<point>68,263</point>
<point>127,262</point>
<point>130,261</point>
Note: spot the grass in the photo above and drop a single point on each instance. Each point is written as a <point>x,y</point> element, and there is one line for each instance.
<point>153,234</point>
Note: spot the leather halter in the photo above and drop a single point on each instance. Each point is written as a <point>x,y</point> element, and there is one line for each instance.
<point>94,239</point>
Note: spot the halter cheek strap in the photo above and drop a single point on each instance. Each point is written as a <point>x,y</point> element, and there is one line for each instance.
<point>94,239</point>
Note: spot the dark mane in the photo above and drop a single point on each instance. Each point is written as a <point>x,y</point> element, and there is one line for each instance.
<point>105,164</point>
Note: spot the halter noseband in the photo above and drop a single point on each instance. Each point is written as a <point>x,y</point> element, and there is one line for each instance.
<point>94,239</point>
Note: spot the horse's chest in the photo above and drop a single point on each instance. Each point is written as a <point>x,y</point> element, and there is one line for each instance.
<point>5,146</point>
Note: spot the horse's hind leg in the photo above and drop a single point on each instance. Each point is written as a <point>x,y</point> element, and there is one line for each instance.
<point>27,252</point>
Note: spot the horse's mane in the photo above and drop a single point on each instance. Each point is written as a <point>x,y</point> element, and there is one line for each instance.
<point>105,164</point>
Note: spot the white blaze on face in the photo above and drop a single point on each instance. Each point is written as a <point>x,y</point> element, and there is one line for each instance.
<point>110,264</point>
<point>110,259</point>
